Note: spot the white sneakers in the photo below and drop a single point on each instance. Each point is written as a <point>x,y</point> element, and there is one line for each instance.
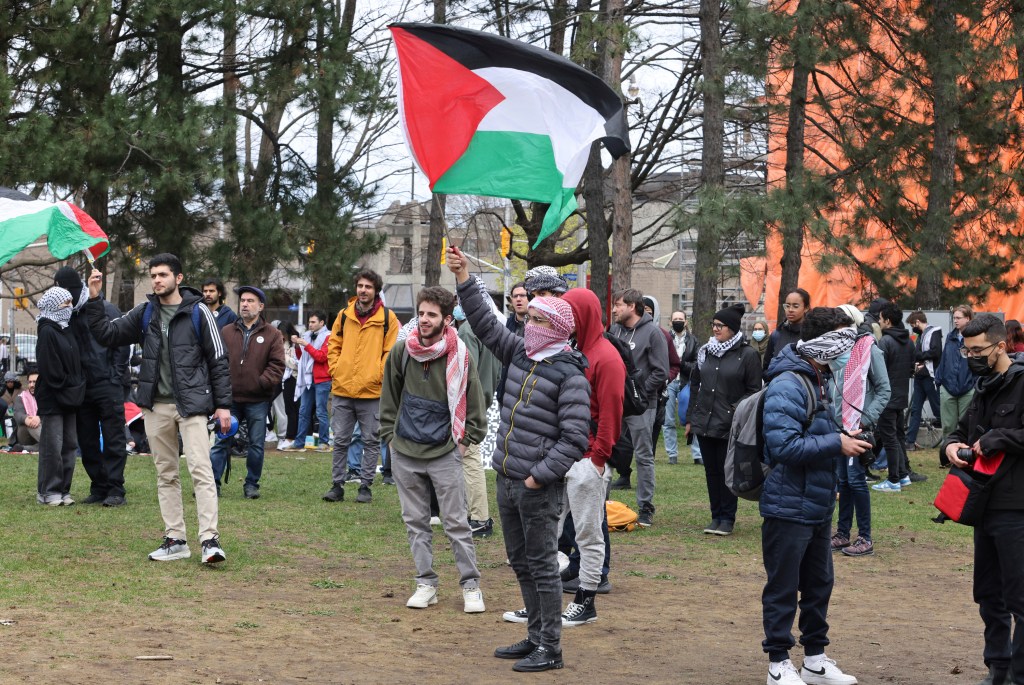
<point>823,671</point>
<point>424,596</point>
<point>473,600</point>
<point>820,671</point>
<point>171,550</point>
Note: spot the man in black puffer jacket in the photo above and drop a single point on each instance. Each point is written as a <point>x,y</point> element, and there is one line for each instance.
<point>184,378</point>
<point>899,362</point>
<point>544,430</point>
<point>991,428</point>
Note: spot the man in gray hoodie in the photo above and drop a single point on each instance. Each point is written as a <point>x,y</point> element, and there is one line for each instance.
<point>649,348</point>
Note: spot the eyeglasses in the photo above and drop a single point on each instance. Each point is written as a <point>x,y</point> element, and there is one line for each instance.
<point>716,326</point>
<point>519,296</point>
<point>966,352</point>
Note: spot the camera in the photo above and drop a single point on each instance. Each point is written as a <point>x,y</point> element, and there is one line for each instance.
<point>966,454</point>
<point>868,437</point>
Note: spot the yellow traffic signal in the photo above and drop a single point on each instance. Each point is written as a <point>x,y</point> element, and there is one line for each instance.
<point>20,301</point>
<point>444,251</point>
<point>506,242</point>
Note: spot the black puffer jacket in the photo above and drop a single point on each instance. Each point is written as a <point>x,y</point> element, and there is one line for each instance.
<point>200,382</point>
<point>899,362</point>
<point>786,334</point>
<point>103,366</point>
<point>718,386</point>
<point>60,387</point>
<point>545,405</point>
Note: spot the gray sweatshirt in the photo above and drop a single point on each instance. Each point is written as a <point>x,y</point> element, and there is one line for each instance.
<point>650,353</point>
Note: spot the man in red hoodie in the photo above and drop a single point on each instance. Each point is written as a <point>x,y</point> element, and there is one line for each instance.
<point>586,482</point>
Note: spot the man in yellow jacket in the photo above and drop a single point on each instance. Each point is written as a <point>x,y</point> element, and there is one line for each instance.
<point>360,341</point>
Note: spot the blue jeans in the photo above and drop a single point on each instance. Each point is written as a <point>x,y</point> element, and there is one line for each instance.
<point>669,427</point>
<point>999,586</point>
<point>355,451</point>
<point>924,389</point>
<point>853,496</point>
<point>316,396</point>
<point>254,414</point>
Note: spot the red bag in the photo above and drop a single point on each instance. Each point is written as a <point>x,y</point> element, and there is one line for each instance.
<point>964,493</point>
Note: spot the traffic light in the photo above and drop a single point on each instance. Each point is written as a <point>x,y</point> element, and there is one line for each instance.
<point>506,242</point>
<point>20,301</point>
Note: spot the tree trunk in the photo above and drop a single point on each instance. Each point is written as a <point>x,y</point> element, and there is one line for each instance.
<point>435,236</point>
<point>597,227</point>
<point>705,280</point>
<point>933,264</point>
<point>622,197</point>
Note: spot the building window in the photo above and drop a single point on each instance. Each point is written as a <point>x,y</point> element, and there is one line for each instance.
<point>401,258</point>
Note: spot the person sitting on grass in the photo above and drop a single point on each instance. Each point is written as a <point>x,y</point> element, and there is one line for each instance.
<point>26,419</point>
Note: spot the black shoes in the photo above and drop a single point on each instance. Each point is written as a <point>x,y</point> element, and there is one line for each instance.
<point>335,494</point>
<point>621,483</point>
<point>571,585</point>
<point>94,499</point>
<point>251,491</point>
<point>646,517</point>
<point>540,659</point>
<point>482,529</point>
<point>916,477</point>
<point>517,651</point>
<point>364,496</point>
<point>387,480</point>
<point>114,501</point>
<point>997,676</point>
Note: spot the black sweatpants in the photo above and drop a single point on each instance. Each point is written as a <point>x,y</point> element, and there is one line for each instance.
<point>103,409</point>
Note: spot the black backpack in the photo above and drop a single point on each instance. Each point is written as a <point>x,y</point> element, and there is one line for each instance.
<point>634,401</point>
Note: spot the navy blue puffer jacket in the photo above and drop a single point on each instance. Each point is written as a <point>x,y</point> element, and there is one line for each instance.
<point>802,484</point>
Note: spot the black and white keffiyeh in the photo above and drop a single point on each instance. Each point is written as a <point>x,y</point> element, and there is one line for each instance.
<point>51,306</point>
<point>831,345</point>
<point>717,349</point>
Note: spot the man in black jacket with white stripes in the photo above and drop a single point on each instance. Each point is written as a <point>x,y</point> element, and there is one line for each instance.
<point>184,378</point>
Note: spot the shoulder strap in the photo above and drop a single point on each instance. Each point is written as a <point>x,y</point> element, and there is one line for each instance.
<point>196,324</point>
<point>387,324</point>
<point>147,317</point>
<point>811,399</point>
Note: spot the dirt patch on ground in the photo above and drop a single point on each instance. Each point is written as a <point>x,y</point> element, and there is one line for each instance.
<point>903,617</point>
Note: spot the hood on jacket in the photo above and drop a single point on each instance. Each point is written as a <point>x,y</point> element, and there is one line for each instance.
<point>789,360</point>
<point>586,310</point>
<point>901,334</point>
<point>655,306</point>
<point>646,318</point>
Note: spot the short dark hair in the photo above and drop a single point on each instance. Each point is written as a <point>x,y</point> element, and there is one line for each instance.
<point>435,294</point>
<point>288,328</point>
<point>804,295</point>
<point>893,314</point>
<point>519,284</point>
<point>988,325</point>
<point>631,296</point>
<point>821,320</point>
<point>917,317</point>
<point>216,283</point>
<point>318,313</point>
<point>169,260</point>
<point>371,276</point>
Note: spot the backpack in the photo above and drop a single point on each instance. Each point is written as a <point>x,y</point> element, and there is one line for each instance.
<point>745,470</point>
<point>147,316</point>
<point>634,401</point>
<point>620,516</point>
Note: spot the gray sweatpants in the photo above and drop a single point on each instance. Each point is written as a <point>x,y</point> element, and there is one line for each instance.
<point>412,477</point>
<point>585,497</point>
<point>641,429</point>
<point>57,447</point>
<point>346,412</point>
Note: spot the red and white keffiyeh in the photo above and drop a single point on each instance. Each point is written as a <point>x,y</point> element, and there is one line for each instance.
<point>456,373</point>
<point>855,377</point>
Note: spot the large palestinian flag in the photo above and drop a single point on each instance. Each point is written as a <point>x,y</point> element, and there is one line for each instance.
<point>485,115</point>
<point>67,228</point>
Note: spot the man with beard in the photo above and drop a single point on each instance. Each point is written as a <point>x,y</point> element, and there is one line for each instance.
<point>429,414</point>
<point>102,412</point>
<point>213,297</point>
<point>363,335</point>
<point>183,379</point>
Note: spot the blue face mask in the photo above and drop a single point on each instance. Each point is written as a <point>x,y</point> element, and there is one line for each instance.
<point>839,362</point>
<point>758,335</point>
<point>458,313</point>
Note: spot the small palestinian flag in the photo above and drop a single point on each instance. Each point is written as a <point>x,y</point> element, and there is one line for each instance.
<point>485,115</point>
<point>67,228</point>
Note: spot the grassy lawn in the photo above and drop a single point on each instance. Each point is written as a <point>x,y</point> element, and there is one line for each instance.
<point>74,558</point>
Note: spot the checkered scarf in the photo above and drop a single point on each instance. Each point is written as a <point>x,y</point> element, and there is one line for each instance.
<point>456,372</point>
<point>50,306</point>
<point>827,347</point>
<point>855,377</point>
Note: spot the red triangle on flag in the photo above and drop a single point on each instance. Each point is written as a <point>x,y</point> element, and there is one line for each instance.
<point>443,103</point>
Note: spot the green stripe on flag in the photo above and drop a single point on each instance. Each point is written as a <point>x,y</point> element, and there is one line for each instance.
<point>520,166</point>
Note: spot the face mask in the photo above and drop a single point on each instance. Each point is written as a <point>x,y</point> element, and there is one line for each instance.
<point>537,338</point>
<point>458,313</point>
<point>758,335</point>
<point>979,366</point>
<point>678,326</point>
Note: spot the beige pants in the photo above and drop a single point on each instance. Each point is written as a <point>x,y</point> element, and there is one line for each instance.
<point>162,426</point>
<point>476,484</point>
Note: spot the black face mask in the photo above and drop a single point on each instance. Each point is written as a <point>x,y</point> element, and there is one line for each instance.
<point>678,326</point>
<point>979,366</point>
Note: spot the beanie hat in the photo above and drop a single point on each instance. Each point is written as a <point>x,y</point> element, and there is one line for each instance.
<point>852,312</point>
<point>648,302</point>
<point>877,305</point>
<point>558,312</point>
<point>68,278</point>
<point>545,278</point>
<point>731,316</point>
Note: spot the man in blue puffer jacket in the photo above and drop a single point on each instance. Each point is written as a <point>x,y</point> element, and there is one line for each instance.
<point>798,498</point>
<point>955,380</point>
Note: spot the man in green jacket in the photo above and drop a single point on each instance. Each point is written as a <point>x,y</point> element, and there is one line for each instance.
<point>431,410</point>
